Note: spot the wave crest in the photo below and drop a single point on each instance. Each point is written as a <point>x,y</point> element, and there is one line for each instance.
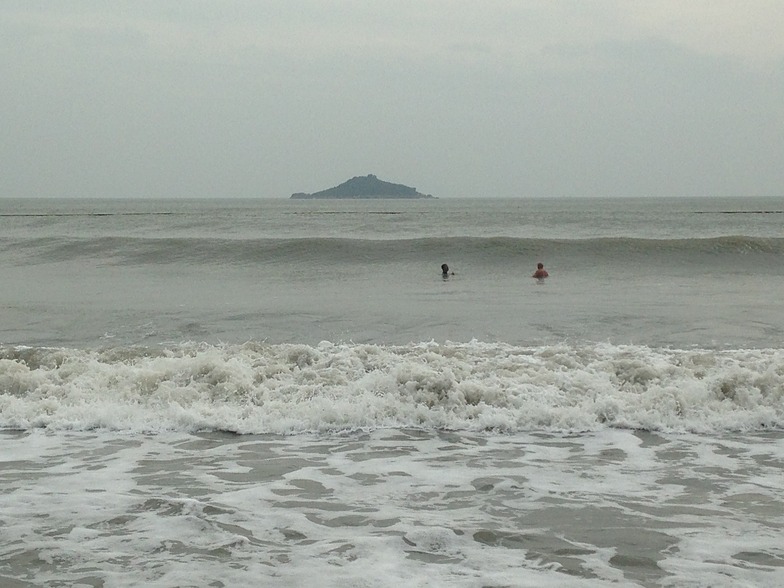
<point>258,388</point>
<point>317,250</point>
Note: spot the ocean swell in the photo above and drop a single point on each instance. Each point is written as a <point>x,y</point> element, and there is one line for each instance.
<point>321,250</point>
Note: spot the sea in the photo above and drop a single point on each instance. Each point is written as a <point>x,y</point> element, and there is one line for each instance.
<point>272,392</point>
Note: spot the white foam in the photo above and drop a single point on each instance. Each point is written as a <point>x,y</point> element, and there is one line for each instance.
<point>260,388</point>
<point>391,508</point>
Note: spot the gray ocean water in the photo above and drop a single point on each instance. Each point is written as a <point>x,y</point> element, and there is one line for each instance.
<point>648,271</point>
<point>289,393</point>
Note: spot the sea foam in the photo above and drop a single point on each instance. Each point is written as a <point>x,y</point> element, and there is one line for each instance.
<point>256,388</point>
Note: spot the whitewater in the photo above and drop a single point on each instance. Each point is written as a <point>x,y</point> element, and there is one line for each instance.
<point>286,389</point>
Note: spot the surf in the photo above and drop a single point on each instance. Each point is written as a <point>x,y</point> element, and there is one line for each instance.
<point>256,388</point>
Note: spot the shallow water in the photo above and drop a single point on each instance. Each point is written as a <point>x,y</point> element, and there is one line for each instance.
<point>392,507</point>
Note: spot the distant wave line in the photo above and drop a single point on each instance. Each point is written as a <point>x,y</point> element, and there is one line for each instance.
<point>87,214</point>
<point>739,212</point>
<point>362,212</point>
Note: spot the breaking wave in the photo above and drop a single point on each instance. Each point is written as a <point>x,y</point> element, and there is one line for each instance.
<point>258,388</point>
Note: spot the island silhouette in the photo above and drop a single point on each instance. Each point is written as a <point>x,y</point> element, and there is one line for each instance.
<point>368,186</point>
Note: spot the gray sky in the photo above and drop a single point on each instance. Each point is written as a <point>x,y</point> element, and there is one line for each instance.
<point>458,98</point>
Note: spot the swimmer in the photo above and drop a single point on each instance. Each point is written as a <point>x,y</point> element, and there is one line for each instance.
<point>540,273</point>
<point>445,273</point>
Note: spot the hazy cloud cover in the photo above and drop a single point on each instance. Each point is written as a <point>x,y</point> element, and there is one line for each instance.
<point>242,98</point>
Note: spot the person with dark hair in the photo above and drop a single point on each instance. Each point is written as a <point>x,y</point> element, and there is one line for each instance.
<point>540,273</point>
<point>445,273</point>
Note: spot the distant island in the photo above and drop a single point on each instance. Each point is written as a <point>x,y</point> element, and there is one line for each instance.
<point>365,187</point>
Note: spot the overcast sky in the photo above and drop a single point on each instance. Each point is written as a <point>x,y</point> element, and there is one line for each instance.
<point>458,98</point>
